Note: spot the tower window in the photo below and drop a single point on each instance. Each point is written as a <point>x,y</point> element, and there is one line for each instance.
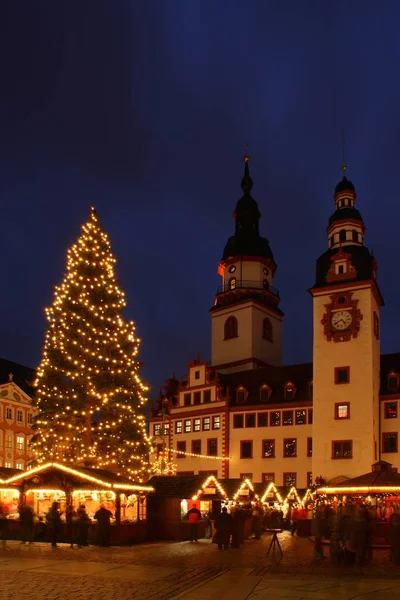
<point>355,236</point>
<point>342,235</point>
<point>265,284</point>
<point>232,283</point>
<point>231,328</point>
<point>267,330</point>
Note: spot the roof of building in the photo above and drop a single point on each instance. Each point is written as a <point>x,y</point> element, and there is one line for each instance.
<point>349,212</point>
<point>382,475</point>
<point>177,486</point>
<point>247,244</point>
<point>23,376</point>
<point>361,258</point>
<point>344,185</point>
<point>275,377</point>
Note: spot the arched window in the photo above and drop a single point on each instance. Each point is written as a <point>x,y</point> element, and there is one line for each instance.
<point>267,330</point>
<point>342,235</point>
<point>231,328</point>
<point>232,283</point>
<point>355,235</point>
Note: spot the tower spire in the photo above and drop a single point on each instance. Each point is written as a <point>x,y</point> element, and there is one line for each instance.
<point>247,182</point>
<point>344,165</point>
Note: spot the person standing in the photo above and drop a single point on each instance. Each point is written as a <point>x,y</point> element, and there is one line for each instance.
<point>103,517</point>
<point>71,517</point>
<point>82,526</point>
<point>26,517</point>
<point>223,526</point>
<point>194,517</point>
<point>53,518</point>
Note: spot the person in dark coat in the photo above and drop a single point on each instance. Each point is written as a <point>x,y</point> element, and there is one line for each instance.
<point>223,526</point>
<point>82,526</point>
<point>238,520</point>
<point>53,518</point>
<point>103,517</point>
<point>194,517</point>
<point>394,538</point>
<point>71,518</point>
<point>26,517</point>
<point>3,526</point>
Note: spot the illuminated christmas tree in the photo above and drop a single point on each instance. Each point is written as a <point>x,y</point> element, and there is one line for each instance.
<point>89,394</point>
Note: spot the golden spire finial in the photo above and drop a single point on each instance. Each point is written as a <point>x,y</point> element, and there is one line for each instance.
<point>246,154</point>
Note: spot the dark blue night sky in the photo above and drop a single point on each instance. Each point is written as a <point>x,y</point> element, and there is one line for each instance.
<point>144,109</point>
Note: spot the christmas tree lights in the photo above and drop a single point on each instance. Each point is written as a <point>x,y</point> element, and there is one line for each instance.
<point>89,395</point>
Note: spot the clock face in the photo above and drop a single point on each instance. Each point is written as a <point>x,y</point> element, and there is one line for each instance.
<point>341,319</point>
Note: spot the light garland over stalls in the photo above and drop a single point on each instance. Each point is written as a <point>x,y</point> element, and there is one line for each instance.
<point>206,484</point>
<point>84,476</point>
<point>246,484</point>
<point>197,455</point>
<point>292,491</point>
<point>366,489</point>
<point>89,393</point>
<point>307,496</point>
<point>271,488</point>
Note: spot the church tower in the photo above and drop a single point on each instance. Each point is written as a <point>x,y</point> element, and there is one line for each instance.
<point>246,322</point>
<point>346,349</point>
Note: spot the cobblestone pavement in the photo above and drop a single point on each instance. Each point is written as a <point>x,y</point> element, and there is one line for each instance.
<point>164,571</point>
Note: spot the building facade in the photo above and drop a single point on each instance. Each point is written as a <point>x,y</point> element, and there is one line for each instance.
<point>16,414</point>
<point>246,414</point>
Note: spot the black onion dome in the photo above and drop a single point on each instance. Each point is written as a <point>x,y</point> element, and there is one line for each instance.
<point>344,186</point>
<point>247,245</point>
<point>361,258</point>
<point>345,213</point>
<point>247,205</point>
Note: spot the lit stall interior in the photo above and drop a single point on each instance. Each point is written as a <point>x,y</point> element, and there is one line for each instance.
<point>9,501</point>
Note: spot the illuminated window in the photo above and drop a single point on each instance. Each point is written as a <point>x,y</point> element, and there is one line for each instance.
<point>212,447</point>
<point>232,283</point>
<point>196,424</point>
<point>230,328</point>
<point>196,446</point>
<point>8,413</point>
<point>390,410</point>
<point>157,429</point>
<point>206,423</point>
<point>309,446</point>
<point>342,449</point>
<point>8,465</point>
<point>268,477</point>
<point>178,427</point>
<point>289,391</point>
<point>275,418</point>
<point>262,419</point>
<point>20,466</point>
<point>187,399</point>
<point>19,416</point>
<point>289,479</point>
<point>30,418</point>
<point>246,449</point>
<point>181,448</point>
<point>188,426</point>
<point>268,449</point>
<point>342,410</point>
<point>287,417</point>
<point>166,428</point>
<point>9,441</point>
<point>20,442</point>
<point>290,448</point>
<point>267,330</point>
<point>301,417</point>
<point>250,420</point>
<point>389,442</point>
<point>216,422</point>
<point>309,479</point>
<point>237,421</point>
<point>246,476</point>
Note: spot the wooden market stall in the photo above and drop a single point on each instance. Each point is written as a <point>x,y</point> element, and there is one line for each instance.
<point>54,482</point>
<point>378,491</point>
<point>173,496</point>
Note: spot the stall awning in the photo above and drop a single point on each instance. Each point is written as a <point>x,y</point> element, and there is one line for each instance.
<point>383,478</point>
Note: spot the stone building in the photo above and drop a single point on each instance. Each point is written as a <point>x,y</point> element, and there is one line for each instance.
<point>16,414</point>
<point>244,413</point>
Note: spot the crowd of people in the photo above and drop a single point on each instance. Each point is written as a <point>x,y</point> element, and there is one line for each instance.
<point>50,527</point>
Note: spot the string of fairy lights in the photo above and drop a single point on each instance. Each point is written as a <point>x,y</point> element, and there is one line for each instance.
<point>89,395</point>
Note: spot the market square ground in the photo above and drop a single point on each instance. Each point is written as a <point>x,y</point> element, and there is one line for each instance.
<point>172,571</point>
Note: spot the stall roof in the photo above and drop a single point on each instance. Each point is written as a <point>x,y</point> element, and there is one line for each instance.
<point>382,478</point>
<point>181,486</point>
<point>99,476</point>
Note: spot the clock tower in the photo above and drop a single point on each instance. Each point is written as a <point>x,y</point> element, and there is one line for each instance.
<point>246,322</point>
<point>346,347</point>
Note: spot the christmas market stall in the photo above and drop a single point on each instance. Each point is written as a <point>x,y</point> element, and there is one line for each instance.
<point>173,496</point>
<point>377,491</point>
<point>9,494</point>
<point>54,482</point>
